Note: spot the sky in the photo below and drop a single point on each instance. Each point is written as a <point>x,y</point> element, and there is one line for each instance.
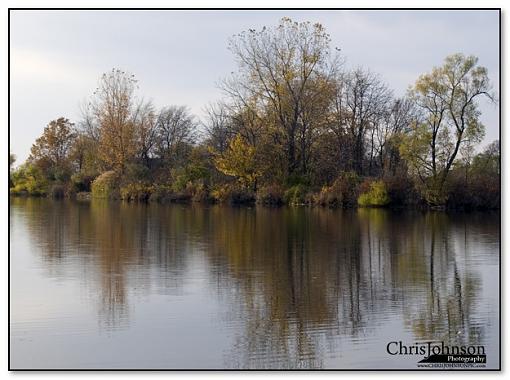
<point>179,57</point>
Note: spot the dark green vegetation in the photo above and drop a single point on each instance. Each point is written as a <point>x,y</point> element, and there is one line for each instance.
<point>294,127</point>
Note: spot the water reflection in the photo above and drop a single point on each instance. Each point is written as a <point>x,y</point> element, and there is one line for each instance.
<point>293,285</point>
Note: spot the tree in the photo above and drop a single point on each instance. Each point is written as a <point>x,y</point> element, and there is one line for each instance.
<point>217,126</point>
<point>50,152</point>
<point>175,129</point>
<point>361,101</point>
<point>283,73</point>
<point>146,132</point>
<point>28,179</point>
<point>84,161</point>
<point>399,116</point>
<point>12,160</point>
<point>112,109</point>
<point>488,161</point>
<point>239,161</point>
<point>83,154</point>
<point>447,98</point>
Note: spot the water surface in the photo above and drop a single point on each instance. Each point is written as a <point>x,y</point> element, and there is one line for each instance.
<point>116,285</point>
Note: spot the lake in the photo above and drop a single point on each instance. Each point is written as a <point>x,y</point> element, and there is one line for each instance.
<point>115,285</point>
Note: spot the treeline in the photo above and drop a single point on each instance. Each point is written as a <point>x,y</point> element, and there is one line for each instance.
<point>293,127</point>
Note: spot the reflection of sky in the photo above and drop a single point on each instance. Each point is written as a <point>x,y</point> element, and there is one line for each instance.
<point>57,56</point>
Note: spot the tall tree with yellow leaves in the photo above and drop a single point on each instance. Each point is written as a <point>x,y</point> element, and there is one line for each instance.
<point>285,72</point>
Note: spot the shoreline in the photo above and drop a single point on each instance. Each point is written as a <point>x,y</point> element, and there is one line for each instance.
<point>409,207</point>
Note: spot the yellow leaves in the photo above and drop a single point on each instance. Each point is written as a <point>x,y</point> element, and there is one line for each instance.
<point>114,110</point>
<point>415,145</point>
<point>447,96</point>
<point>289,76</point>
<point>117,143</point>
<point>238,161</point>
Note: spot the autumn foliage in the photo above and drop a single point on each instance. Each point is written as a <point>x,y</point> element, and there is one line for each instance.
<point>294,126</point>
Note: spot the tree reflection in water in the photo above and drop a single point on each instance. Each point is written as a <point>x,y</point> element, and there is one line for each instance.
<point>296,281</point>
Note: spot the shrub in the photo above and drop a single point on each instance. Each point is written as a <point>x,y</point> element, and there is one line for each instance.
<point>180,182</point>
<point>199,192</point>
<point>136,192</point>
<point>328,196</point>
<point>28,180</point>
<point>59,174</point>
<point>296,195</point>
<point>480,193</point>
<point>343,191</point>
<point>161,193</point>
<point>271,195</point>
<point>57,190</point>
<point>377,196</point>
<point>106,185</point>
<point>233,194</point>
<point>180,197</point>
<point>81,182</point>
<point>487,193</point>
<point>295,180</point>
<point>137,173</point>
<point>364,186</point>
<point>434,194</point>
<point>165,193</point>
<point>401,191</point>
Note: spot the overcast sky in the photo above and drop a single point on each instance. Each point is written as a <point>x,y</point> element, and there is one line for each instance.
<point>179,56</point>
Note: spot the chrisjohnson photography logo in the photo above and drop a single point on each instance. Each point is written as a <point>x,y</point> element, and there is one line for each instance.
<point>438,354</point>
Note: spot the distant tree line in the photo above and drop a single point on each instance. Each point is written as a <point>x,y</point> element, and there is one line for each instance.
<point>293,127</point>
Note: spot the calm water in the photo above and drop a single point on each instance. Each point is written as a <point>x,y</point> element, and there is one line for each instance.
<point>113,285</point>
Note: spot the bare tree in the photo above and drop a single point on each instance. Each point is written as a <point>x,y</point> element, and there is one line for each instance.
<point>399,115</point>
<point>218,126</point>
<point>175,128</point>
<point>146,133</point>
<point>361,102</point>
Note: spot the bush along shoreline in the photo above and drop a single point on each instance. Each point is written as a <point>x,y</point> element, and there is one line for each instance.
<point>294,127</point>
<point>348,191</point>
